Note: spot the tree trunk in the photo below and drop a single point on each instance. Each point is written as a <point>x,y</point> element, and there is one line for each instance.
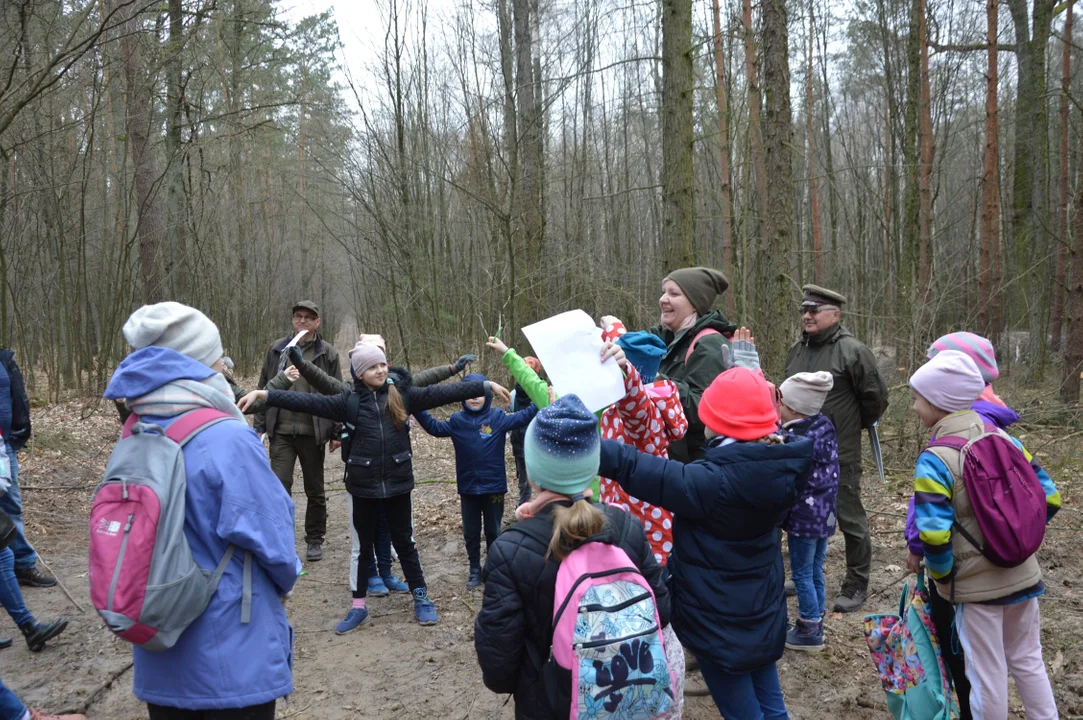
<point>531,218</point>
<point>1073,351</point>
<point>989,259</point>
<point>175,223</point>
<point>814,200</point>
<point>138,116</point>
<point>724,152</point>
<point>925,203</point>
<point>678,180</point>
<point>778,210</point>
<point>1063,240</point>
<point>755,100</point>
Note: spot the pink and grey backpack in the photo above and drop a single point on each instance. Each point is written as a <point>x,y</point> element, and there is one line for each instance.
<point>1006,494</point>
<point>144,581</point>
<point>607,659</point>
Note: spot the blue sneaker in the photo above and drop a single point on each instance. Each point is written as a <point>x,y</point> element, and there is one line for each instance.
<point>352,621</point>
<point>377,588</point>
<point>423,608</point>
<point>393,584</point>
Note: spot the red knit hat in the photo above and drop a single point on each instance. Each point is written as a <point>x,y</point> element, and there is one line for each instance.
<point>739,404</point>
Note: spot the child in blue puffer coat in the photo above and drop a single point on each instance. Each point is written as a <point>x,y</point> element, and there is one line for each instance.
<point>478,433</point>
<point>726,575</point>
<point>811,520</point>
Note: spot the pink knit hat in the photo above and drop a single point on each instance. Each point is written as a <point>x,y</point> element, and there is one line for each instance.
<point>365,355</point>
<point>976,347</point>
<point>371,339</point>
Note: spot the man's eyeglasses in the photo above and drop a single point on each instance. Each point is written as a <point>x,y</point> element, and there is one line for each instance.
<point>815,309</point>
<point>303,317</point>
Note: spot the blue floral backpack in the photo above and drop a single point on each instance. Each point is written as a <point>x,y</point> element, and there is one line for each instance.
<point>906,652</point>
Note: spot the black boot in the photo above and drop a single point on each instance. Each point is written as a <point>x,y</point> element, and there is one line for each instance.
<point>5,643</point>
<point>474,578</point>
<point>38,633</point>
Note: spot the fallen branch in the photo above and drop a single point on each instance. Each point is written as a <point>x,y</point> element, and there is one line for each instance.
<point>61,584</point>
<point>469,606</point>
<point>93,697</point>
<point>428,482</point>
<point>870,704</point>
<point>294,713</point>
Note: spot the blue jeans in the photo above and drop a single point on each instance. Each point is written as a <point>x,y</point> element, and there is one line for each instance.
<point>807,568</point>
<point>11,502</point>
<point>11,708</point>
<point>380,563</point>
<point>753,696</point>
<point>11,597</point>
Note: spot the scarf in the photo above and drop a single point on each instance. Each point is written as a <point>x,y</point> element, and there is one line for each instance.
<point>180,396</point>
<point>532,508</point>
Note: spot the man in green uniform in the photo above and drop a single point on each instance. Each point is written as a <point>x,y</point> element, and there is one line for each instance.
<point>856,401</point>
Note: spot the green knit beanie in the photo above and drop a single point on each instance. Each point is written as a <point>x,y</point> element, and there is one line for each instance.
<point>561,447</point>
<point>701,285</point>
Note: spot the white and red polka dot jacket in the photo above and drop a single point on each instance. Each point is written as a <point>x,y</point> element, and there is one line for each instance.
<point>649,417</point>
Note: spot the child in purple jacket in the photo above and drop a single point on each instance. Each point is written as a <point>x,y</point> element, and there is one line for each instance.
<point>811,521</point>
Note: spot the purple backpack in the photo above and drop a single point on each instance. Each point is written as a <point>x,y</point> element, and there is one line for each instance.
<point>1007,497</point>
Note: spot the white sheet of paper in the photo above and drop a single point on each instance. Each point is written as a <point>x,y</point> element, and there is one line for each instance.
<point>297,338</point>
<point>569,346</point>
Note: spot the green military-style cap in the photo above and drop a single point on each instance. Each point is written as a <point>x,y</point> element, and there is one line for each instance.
<point>816,295</point>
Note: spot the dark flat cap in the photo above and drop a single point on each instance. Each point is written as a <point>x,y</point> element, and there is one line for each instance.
<point>307,305</point>
<point>816,295</point>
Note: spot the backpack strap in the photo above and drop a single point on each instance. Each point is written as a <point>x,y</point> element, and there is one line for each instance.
<point>246,583</point>
<point>957,443</point>
<point>191,423</point>
<point>185,427</point>
<point>702,333</point>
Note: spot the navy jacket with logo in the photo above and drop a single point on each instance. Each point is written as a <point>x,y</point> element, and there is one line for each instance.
<point>479,442</point>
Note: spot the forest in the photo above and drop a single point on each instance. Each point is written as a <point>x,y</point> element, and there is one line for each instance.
<point>497,161</point>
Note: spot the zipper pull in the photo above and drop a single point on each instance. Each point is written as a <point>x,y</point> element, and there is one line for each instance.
<point>128,527</point>
<point>124,488</point>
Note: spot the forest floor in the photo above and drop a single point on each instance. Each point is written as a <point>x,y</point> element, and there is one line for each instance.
<point>392,667</point>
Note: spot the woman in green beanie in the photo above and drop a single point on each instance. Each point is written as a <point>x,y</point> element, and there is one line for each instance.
<point>697,345</point>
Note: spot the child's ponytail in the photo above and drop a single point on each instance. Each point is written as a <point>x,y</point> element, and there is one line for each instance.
<point>573,525</point>
<point>395,406</point>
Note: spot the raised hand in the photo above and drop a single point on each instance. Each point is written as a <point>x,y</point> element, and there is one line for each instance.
<point>497,344</point>
<point>501,392</point>
<point>463,361</point>
<point>293,373</point>
<point>615,351</point>
<point>296,358</point>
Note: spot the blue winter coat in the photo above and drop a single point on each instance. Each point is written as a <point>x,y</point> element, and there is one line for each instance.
<point>813,515</point>
<point>14,407</point>
<point>232,497</point>
<point>478,437</point>
<point>726,575</point>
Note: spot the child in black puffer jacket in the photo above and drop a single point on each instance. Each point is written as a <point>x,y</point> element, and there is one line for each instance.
<point>379,472</point>
<point>513,632</point>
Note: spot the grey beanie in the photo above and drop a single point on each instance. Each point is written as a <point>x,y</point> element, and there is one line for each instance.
<point>805,392</point>
<point>177,327</point>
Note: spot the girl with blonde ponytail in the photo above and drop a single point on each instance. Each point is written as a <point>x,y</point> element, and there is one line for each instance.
<point>513,632</point>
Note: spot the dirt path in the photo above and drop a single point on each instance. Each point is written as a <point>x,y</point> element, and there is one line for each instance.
<point>392,667</point>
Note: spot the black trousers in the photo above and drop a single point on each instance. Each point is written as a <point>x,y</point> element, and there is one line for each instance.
<point>366,516</point>
<point>475,510</point>
<point>266,711</point>
<point>943,616</point>
<point>524,484</point>
<point>285,450</point>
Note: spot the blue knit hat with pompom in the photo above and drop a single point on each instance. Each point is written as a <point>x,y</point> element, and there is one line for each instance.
<point>561,448</point>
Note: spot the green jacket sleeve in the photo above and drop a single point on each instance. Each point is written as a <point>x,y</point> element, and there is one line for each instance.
<point>536,389</point>
<point>433,375</point>
<point>320,381</point>
<point>871,391</point>
<point>265,374</point>
<point>278,382</point>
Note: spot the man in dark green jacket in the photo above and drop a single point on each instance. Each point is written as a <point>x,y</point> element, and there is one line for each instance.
<point>297,436</point>
<point>856,401</point>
